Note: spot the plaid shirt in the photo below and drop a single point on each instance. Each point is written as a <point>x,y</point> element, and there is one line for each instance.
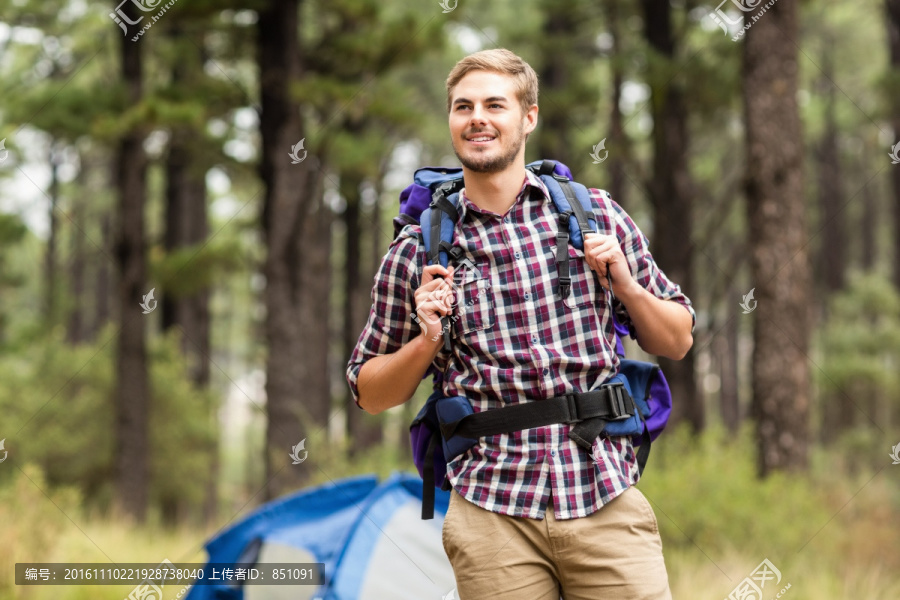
<point>516,341</point>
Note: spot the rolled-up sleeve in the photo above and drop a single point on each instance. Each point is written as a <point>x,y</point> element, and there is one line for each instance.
<point>390,323</point>
<point>643,268</point>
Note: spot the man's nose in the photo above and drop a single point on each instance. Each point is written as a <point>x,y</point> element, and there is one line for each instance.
<point>478,115</point>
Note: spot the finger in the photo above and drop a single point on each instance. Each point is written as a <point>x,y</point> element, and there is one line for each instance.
<point>431,312</point>
<point>432,272</point>
<point>594,239</point>
<point>590,260</point>
<point>443,294</point>
<point>601,257</point>
<point>606,244</point>
<point>435,284</point>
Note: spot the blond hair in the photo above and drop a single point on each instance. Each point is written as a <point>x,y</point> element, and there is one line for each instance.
<point>498,60</point>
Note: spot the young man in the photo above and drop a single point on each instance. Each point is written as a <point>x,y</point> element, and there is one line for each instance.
<point>532,515</point>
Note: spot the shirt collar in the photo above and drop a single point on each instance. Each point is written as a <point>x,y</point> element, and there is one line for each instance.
<point>531,180</point>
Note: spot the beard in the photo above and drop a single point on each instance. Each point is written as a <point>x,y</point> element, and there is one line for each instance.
<point>492,164</point>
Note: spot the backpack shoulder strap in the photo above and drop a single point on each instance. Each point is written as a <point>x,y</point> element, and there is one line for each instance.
<point>572,197</point>
<point>576,217</point>
<point>438,222</point>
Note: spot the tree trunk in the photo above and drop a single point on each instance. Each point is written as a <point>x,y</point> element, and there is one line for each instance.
<point>778,238</point>
<point>557,42</point>
<point>132,393</point>
<point>296,347</point>
<point>726,353</point>
<point>318,322</point>
<point>893,26</point>
<point>833,240</point>
<point>671,192</point>
<point>378,243</point>
<point>102,292</point>
<point>186,225</point>
<point>837,409</point>
<point>50,259</point>
<point>75,322</point>
<point>618,141</point>
<point>363,430</point>
<point>868,227</point>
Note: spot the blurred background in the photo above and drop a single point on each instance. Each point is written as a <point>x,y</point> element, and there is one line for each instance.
<point>195,196</point>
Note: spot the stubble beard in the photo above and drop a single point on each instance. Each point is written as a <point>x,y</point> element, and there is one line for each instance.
<point>496,164</point>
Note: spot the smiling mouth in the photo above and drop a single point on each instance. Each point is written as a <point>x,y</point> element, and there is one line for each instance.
<point>480,140</point>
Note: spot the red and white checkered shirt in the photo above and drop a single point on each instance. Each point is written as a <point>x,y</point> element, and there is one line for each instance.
<point>517,341</point>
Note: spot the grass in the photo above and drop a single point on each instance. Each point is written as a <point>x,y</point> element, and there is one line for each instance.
<point>832,532</point>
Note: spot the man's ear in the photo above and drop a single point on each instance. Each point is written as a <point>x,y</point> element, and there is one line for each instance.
<point>530,119</point>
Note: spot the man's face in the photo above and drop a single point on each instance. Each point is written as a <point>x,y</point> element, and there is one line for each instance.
<point>487,125</point>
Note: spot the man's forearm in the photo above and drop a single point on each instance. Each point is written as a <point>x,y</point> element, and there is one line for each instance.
<point>391,379</point>
<point>662,327</point>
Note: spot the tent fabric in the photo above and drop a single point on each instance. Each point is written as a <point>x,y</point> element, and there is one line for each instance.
<point>369,536</point>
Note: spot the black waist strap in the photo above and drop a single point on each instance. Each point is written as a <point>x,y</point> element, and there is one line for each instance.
<point>590,410</point>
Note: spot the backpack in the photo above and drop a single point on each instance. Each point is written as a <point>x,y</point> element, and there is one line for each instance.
<point>438,433</point>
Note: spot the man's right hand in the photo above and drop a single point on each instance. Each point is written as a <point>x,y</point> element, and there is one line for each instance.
<point>391,379</point>
<point>435,298</point>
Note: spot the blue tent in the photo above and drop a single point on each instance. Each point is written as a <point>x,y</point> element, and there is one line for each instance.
<point>370,537</point>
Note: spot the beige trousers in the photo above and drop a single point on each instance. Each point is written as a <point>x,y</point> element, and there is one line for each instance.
<point>612,554</point>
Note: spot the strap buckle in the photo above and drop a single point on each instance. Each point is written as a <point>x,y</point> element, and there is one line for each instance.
<point>617,403</point>
<point>565,284</point>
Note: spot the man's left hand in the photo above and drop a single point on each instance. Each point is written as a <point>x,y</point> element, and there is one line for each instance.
<point>602,253</point>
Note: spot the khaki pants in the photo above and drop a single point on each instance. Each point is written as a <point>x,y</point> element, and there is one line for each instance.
<point>612,554</point>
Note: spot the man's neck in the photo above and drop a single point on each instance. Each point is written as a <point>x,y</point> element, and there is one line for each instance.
<point>495,192</point>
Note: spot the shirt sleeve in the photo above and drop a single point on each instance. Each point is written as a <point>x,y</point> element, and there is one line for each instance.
<point>636,249</point>
<point>390,323</point>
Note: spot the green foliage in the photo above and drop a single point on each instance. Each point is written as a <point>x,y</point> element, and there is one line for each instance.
<point>860,344</point>
<point>708,495</point>
<point>12,231</point>
<point>825,530</point>
<point>192,269</point>
<point>58,398</point>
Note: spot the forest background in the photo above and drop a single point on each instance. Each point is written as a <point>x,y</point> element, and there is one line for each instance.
<point>195,196</point>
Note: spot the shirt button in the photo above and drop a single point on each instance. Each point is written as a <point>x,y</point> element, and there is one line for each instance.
<point>518,255</point>
<point>534,339</point>
<point>527,295</point>
<point>546,372</point>
<point>553,453</point>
